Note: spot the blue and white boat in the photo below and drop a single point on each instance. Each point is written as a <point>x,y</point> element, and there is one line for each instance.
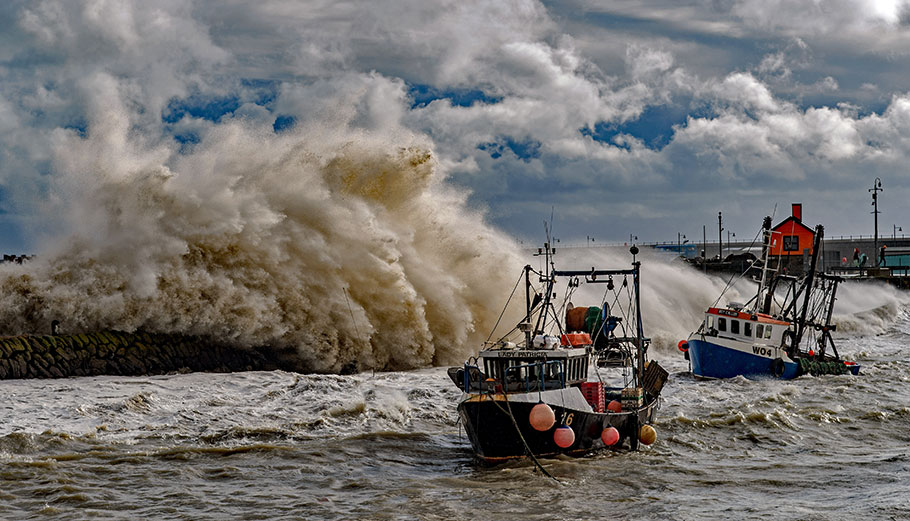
<point>749,340</point>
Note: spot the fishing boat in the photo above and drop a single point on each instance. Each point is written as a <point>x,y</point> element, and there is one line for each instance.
<point>565,380</point>
<point>752,341</point>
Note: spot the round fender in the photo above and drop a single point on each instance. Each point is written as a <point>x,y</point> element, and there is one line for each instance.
<point>777,367</point>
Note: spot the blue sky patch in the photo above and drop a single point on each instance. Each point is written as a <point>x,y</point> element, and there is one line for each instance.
<point>283,123</point>
<point>81,128</point>
<point>423,95</point>
<point>654,126</point>
<point>210,109</point>
<point>525,150</point>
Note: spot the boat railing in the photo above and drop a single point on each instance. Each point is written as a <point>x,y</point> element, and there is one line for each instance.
<point>467,375</point>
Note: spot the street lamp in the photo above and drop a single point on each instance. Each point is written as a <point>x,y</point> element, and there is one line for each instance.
<point>876,188</point>
<point>720,236</point>
<point>895,230</point>
<point>680,242</point>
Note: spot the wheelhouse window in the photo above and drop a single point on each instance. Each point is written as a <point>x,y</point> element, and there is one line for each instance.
<point>721,324</point>
<point>791,242</point>
<point>767,331</point>
<point>709,322</point>
<point>734,327</point>
<point>747,328</point>
<point>759,331</point>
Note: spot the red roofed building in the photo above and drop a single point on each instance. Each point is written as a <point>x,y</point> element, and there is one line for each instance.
<point>791,236</point>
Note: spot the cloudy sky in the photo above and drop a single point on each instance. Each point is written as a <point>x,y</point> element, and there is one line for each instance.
<point>623,118</point>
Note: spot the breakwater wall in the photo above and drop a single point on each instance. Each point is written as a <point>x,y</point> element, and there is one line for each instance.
<point>120,353</point>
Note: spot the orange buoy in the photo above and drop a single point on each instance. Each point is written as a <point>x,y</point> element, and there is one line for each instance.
<point>683,346</point>
<point>542,417</point>
<point>614,406</point>
<point>647,434</point>
<point>564,437</point>
<point>609,436</point>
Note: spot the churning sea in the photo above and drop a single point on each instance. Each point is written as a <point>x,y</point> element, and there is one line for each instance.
<point>387,446</point>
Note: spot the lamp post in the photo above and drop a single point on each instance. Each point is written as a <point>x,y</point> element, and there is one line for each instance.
<point>720,236</point>
<point>876,188</point>
<point>895,230</point>
<point>680,242</point>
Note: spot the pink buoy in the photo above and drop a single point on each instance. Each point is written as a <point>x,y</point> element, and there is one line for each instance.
<point>614,406</point>
<point>564,437</point>
<point>609,436</point>
<point>542,417</point>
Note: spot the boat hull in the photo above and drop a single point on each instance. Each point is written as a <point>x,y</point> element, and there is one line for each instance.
<point>498,428</point>
<point>713,360</point>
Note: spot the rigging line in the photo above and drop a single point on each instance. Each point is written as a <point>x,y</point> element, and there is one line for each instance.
<point>354,321</point>
<point>521,436</point>
<point>736,278</point>
<point>733,279</point>
<point>343,289</point>
<point>505,307</point>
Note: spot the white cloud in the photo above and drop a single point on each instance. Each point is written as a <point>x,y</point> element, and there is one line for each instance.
<point>765,85</point>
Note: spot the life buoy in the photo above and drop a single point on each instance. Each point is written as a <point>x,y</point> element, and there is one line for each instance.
<point>777,367</point>
<point>683,346</point>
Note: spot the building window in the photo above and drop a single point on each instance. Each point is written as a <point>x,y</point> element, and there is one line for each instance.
<point>791,242</point>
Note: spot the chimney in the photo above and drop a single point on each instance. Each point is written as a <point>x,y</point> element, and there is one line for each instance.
<point>798,211</point>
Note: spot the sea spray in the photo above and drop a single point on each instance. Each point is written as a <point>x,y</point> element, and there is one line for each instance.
<point>341,245</point>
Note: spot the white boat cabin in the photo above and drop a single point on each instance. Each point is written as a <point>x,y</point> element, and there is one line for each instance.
<point>531,370</point>
<point>755,328</point>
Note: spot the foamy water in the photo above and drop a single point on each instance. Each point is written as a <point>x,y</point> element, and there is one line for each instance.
<point>277,445</point>
<point>387,445</point>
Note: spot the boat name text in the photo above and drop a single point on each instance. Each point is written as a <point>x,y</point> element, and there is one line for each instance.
<point>763,351</point>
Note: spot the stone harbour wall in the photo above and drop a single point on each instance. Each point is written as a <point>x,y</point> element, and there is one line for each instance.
<point>119,353</point>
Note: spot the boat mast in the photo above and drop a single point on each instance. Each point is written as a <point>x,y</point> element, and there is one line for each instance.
<point>549,278</point>
<point>807,287</point>
<point>764,306</point>
<point>639,333</point>
<point>827,328</point>
<point>528,306</point>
